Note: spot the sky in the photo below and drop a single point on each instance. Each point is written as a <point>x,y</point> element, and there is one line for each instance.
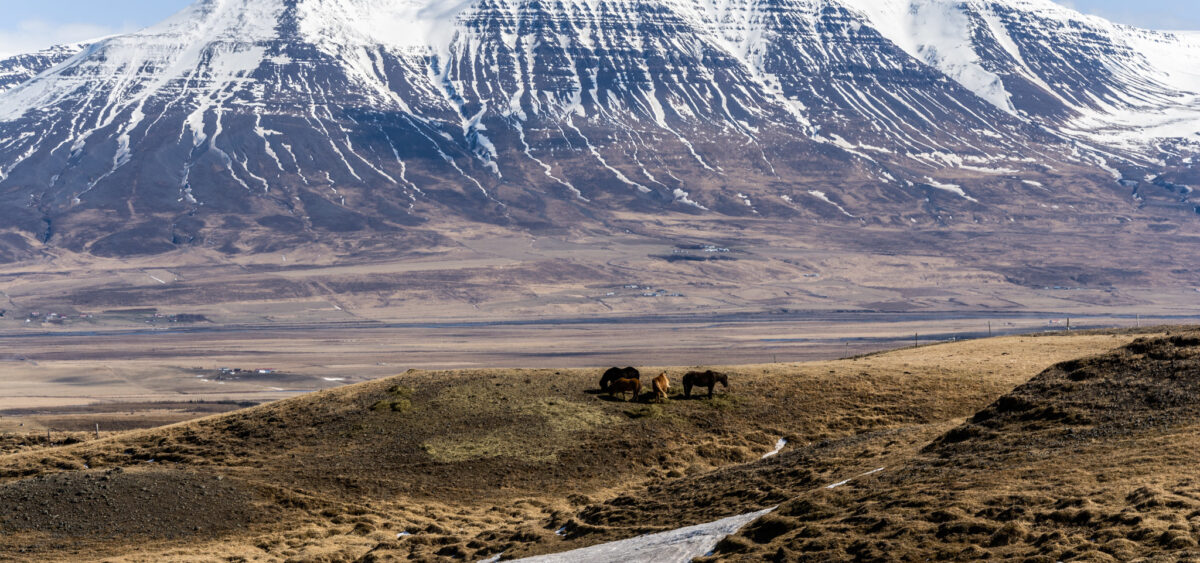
<point>31,25</point>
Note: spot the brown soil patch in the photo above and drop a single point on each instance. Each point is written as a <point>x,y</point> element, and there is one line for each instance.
<point>155,503</point>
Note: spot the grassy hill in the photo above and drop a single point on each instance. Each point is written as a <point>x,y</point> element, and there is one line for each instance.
<point>1094,459</point>
<point>467,464</point>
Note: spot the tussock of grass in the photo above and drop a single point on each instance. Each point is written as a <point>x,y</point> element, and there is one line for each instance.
<point>723,402</point>
<point>646,411</point>
<point>399,400</point>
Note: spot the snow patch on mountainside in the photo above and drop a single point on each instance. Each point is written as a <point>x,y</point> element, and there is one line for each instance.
<point>402,24</point>
<point>213,41</point>
<point>938,33</point>
<point>18,69</point>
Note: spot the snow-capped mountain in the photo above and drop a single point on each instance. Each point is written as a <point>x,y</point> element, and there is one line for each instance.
<point>20,68</point>
<point>340,116</point>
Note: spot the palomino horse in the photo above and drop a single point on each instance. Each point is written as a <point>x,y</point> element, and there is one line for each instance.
<point>707,378</point>
<point>625,387</point>
<point>662,386</point>
<point>614,374</point>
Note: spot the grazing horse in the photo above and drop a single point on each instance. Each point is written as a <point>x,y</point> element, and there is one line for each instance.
<point>662,386</point>
<point>625,387</point>
<point>707,378</point>
<point>614,374</point>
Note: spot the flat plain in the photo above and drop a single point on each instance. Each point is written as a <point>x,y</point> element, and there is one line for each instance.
<point>79,329</point>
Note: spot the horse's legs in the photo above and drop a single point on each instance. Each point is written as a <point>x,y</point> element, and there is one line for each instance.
<point>687,390</point>
<point>711,386</point>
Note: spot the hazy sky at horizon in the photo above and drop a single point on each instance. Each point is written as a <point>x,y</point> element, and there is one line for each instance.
<point>29,26</point>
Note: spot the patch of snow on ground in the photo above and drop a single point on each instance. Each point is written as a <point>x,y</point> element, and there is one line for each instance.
<point>778,448</point>
<point>848,481</point>
<point>679,545</point>
<point>825,198</point>
<point>952,188</point>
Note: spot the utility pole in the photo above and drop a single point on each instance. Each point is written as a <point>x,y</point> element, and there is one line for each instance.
<point>989,329</point>
<point>1139,321</point>
<point>97,430</point>
<point>916,340</point>
<point>1068,324</point>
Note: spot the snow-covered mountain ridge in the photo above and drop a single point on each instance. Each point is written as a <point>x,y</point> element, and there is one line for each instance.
<point>18,69</point>
<point>353,115</point>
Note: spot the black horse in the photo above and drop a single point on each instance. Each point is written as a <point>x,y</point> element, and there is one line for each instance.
<point>614,374</point>
<point>707,378</point>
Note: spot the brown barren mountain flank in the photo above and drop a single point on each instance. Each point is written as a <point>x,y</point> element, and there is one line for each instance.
<point>470,464</point>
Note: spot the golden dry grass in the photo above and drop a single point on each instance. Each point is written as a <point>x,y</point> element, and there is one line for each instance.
<point>1093,460</point>
<point>483,461</point>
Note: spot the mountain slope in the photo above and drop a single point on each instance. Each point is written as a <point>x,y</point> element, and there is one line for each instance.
<point>319,119</point>
<point>21,68</point>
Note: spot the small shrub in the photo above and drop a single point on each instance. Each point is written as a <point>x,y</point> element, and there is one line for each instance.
<point>1008,534</point>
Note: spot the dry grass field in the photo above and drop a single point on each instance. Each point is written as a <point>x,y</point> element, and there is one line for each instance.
<point>668,267</point>
<point>1093,460</point>
<point>433,465</point>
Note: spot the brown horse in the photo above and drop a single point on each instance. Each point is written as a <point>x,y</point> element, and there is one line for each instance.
<point>708,378</point>
<point>662,386</point>
<point>625,387</point>
<point>614,374</point>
